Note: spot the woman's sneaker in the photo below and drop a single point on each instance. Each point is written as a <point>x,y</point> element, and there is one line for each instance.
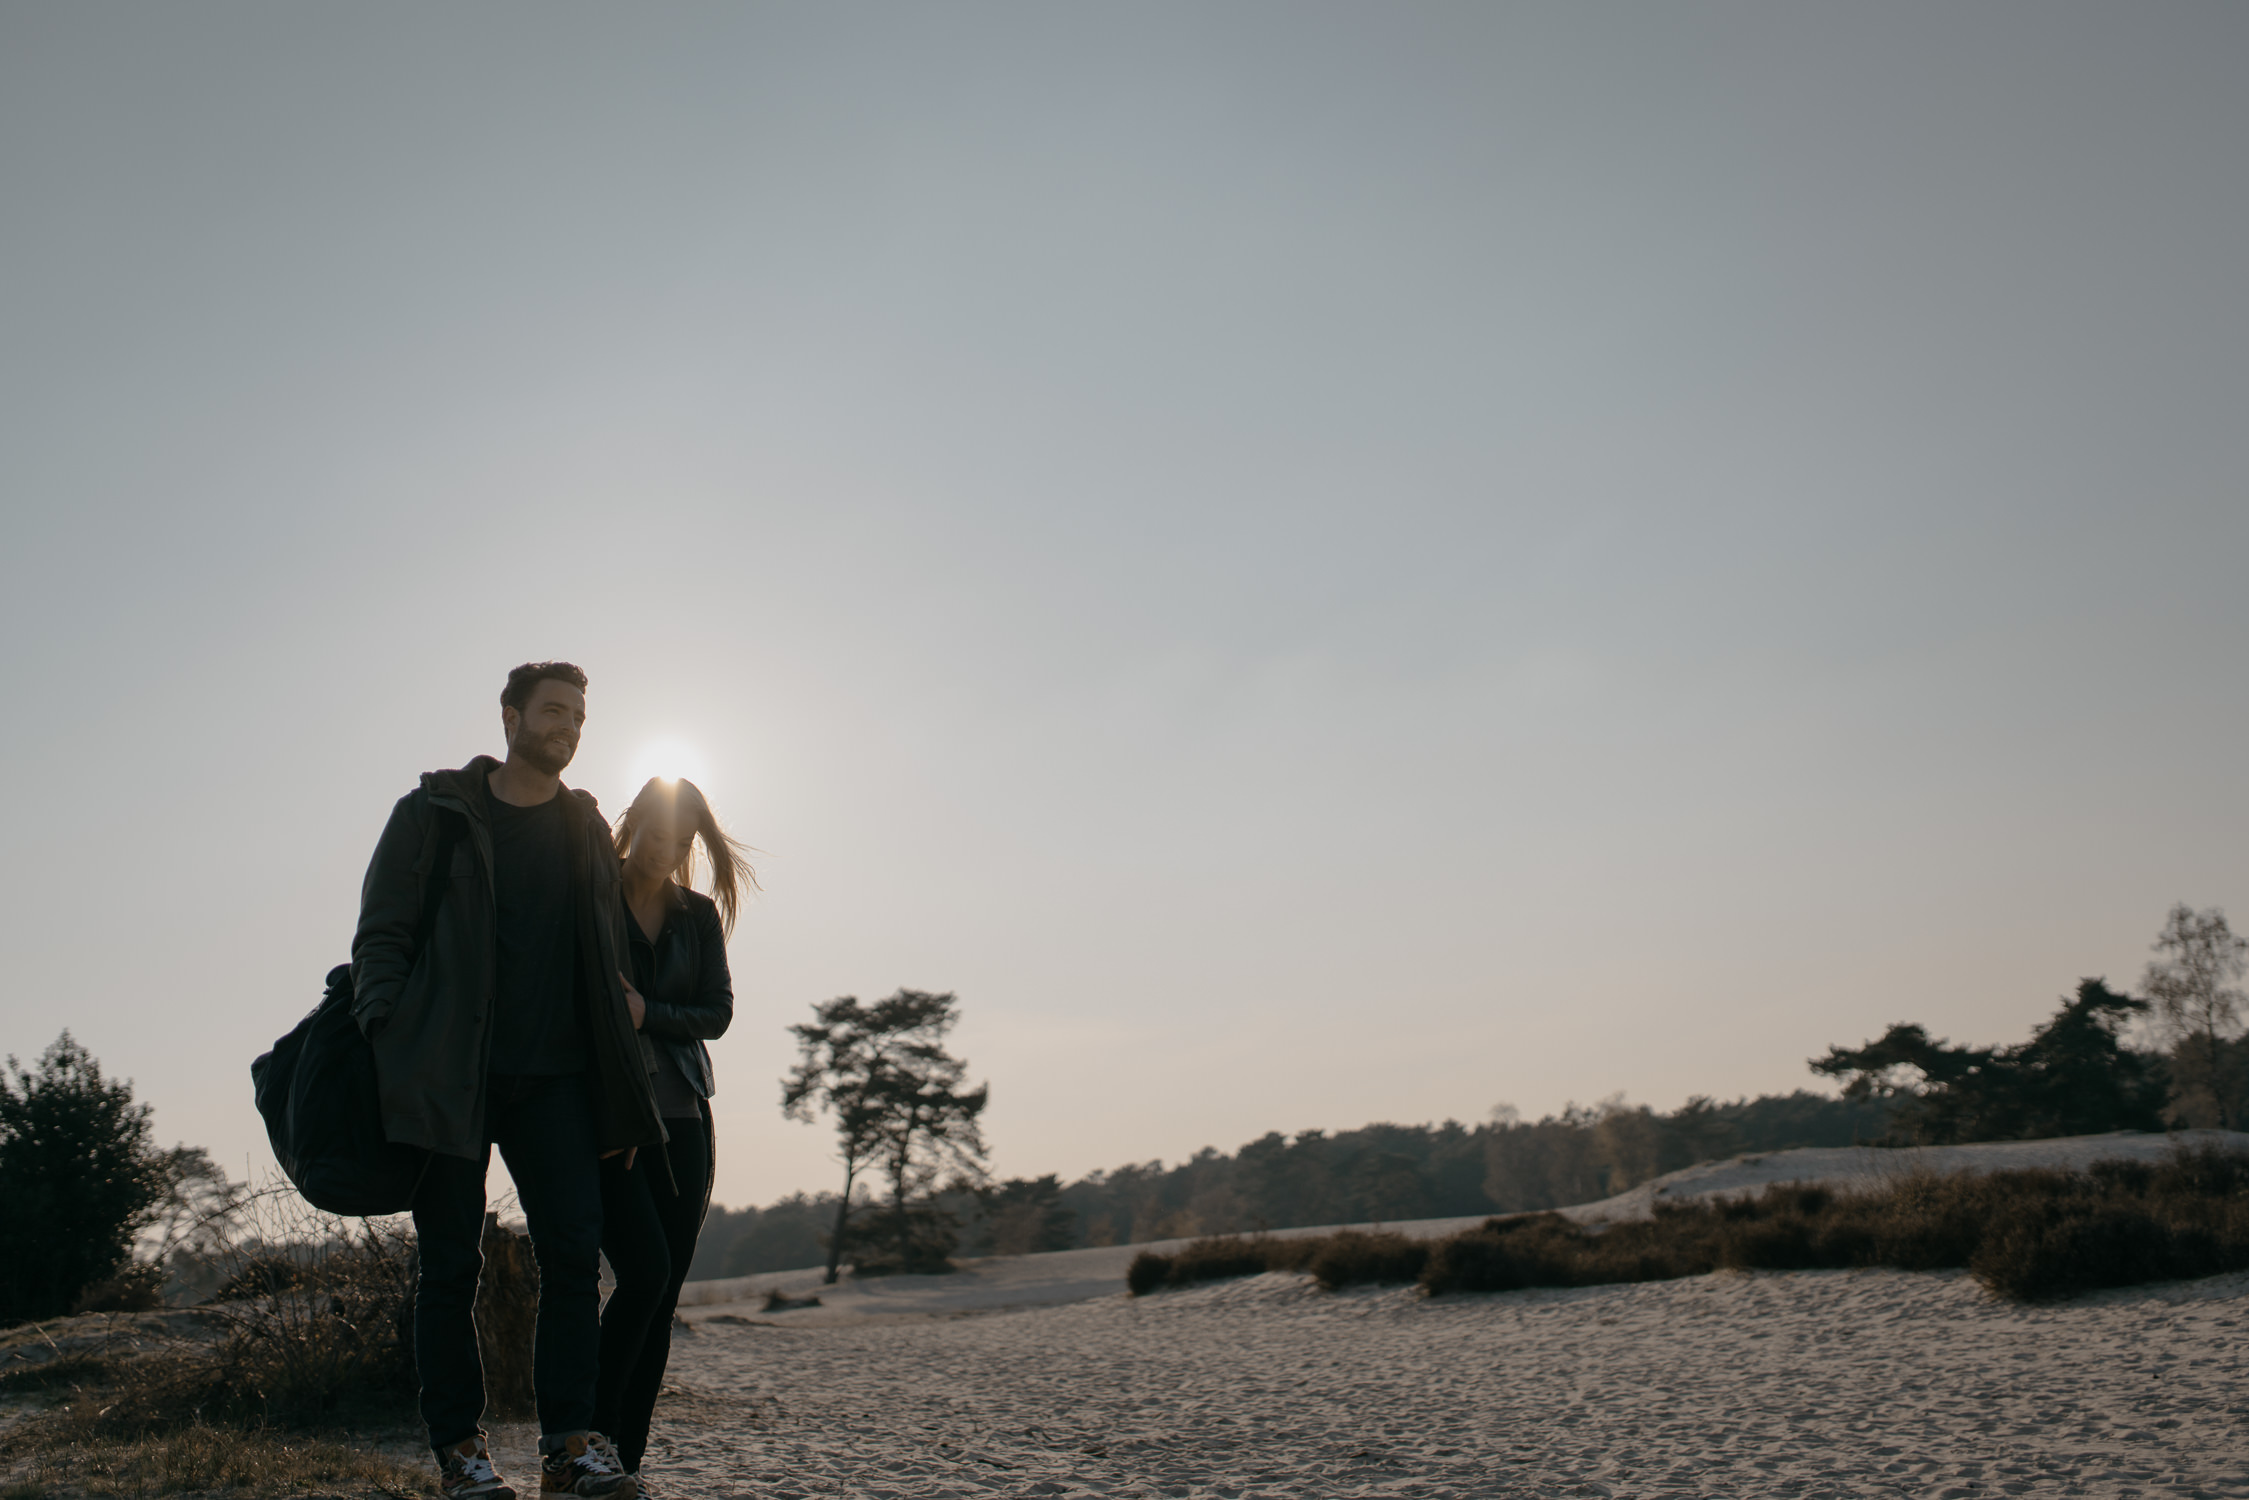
<point>465,1472</point>
<point>587,1466</point>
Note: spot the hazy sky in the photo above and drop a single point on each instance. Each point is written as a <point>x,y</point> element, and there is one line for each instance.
<point>1315,563</point>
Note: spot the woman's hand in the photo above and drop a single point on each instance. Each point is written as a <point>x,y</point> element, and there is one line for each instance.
<point>628,1153</point>
<point>633,1002</point>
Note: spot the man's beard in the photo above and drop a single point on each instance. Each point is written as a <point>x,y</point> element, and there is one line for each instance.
<point>550,753</point>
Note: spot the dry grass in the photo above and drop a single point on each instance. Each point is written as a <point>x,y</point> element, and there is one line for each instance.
<point>203,1459</point>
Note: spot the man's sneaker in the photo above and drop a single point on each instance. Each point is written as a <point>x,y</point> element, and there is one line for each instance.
<point>586,1466</point>
<point>465,1472</point>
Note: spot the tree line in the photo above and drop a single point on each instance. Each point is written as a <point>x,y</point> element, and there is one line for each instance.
<point>1376,1174</point>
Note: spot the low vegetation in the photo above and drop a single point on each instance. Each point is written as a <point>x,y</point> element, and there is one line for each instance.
<point>200,1458</point>
<point>304,1338</point>
<point>2034,1235</point>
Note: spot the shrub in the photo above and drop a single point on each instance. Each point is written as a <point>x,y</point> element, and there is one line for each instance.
<point>78,1174</point>
<point>1214,1259</point>
<point>1505,1255</point>
<point>1148,1272</point>
<point>916,1240</point>
<point>136,1286</point>
<point>1345,1258</point>
<point>313,1315</point>
<point>1350,1258</point>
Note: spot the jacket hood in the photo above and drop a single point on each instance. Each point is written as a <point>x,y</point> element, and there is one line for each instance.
<point>464,785</point>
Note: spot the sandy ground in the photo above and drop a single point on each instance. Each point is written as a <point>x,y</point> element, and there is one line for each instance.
<point>1858,1383</point>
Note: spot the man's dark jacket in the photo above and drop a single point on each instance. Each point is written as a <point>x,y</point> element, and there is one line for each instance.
<point>430,1015</point>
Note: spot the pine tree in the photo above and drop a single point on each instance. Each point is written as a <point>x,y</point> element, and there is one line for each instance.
<point>79,1178</point>
<point>900,1104</point>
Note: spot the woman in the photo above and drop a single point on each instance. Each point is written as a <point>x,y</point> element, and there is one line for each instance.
<point>680,996</point>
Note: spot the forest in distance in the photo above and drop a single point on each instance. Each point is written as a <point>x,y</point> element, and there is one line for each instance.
<point>1376,1174</point>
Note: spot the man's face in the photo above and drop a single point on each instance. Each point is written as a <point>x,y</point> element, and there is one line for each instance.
<point>545,731</point>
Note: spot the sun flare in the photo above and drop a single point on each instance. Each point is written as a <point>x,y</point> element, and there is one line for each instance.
<point>668,758</point>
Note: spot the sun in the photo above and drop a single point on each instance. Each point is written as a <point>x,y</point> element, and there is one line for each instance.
<point>665,757</point>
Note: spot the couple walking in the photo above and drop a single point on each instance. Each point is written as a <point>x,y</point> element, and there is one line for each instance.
<point>557,1009</point>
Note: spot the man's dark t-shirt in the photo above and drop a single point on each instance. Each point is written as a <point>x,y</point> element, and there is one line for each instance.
<point>534,1013</point>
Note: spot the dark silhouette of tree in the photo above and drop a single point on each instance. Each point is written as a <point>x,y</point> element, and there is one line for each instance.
<point>929,1122</point>
<point>1925,1082</point>
<point>2078,1077</point>
<point>1026,1215</point>
<point>1544,1164</point>
<point>779,1237</point>
<point>78,1177</point>
<point>841,1069</point>
<point>901,1103</point>
<point>2194,987</point>
<point>2073,1077</point>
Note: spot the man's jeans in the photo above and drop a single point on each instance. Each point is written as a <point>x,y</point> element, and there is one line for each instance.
<point>544,1130</point>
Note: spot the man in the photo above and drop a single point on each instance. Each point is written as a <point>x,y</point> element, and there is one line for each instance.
<point>509,1027</point>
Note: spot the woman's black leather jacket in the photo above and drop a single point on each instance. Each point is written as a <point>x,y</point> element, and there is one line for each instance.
<point>688,991</point>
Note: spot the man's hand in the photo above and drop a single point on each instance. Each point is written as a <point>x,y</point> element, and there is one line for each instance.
<point>628,1153</point>
<point>633,1002</point>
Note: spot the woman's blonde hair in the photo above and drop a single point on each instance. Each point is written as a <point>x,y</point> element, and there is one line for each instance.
<point>728,856</point>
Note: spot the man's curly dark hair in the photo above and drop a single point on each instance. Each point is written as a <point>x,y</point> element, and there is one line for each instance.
<point>528,676</point>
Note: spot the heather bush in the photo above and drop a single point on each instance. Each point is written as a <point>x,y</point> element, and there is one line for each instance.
<point>1216,1259</point>
<point>1351,1258</point>
<point>1346,1258</point>
<point>1148,1272</point>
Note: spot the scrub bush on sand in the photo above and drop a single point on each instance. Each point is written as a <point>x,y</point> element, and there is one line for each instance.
<point>1348,1257</point>
<point>2032,1235</point>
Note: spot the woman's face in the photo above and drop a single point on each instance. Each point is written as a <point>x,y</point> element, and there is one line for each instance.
<point>661,841</point>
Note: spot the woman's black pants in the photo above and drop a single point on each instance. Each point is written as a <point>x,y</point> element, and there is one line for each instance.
<point>649,1225</point>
